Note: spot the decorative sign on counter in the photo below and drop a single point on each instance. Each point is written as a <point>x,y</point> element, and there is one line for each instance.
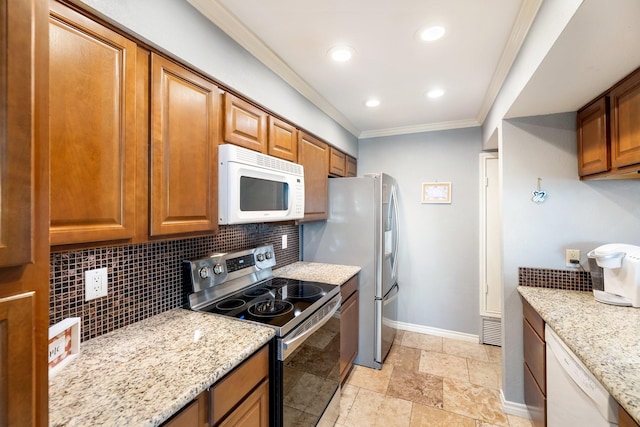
<point>64,344</point>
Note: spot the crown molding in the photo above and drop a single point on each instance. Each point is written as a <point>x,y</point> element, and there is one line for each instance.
<point>430,127</point>
<point>524,20</point>
<point>242,35</point>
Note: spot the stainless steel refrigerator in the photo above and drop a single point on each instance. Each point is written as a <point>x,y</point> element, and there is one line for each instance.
<point>362,230</point>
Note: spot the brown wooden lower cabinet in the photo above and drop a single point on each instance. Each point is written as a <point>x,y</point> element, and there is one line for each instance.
<point>195,414</point>
<point>241,398</point>
<point>624,419</point>
<point>348,326</point>
<point>534,367</point>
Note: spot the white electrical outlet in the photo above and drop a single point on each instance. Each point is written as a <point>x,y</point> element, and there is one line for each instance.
<point>572,258</point>
<point>95,282</point>
<point>284,241</point>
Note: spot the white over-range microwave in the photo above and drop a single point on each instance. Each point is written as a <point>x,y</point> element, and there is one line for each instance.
<point>254,187</point>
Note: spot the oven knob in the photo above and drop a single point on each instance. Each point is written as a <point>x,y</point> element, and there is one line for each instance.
<point>204,272</point>
<point>269,255</point>
<point>260,257</point>
<point>218,269</point>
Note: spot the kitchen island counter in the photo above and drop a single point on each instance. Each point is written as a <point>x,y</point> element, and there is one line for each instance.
<point>605,338</point>
<point>142,374</point>
<point>333,274</point>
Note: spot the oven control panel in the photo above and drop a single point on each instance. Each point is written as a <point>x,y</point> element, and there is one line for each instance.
<point>216,269</point>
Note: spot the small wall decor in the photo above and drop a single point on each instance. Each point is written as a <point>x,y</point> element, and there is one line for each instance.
<point>64,344</point>
<point>538,195</point>
<point>436,192</point>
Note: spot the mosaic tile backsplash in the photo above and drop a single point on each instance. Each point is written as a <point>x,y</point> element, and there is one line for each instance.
<point>146,279</point>
<point>555,279</point>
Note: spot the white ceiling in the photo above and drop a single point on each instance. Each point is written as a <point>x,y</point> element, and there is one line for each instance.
<point>470,62</point>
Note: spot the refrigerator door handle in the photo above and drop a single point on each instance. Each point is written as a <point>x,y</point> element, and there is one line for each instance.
<point>392,295</point>
<point>394,198</point>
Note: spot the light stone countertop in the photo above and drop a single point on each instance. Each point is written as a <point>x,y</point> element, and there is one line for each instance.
<point>606,338</point>
<point>143,373</point>
<point>333,274</point>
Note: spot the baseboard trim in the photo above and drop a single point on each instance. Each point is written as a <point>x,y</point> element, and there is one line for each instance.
<point>513,408</point>
<point>437,332</point>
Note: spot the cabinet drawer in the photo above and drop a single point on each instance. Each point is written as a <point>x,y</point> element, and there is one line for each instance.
<point>348,288</point>
<point>534,354</point>
<point>535,400</point>
<point>534,319</point>
<point>238,384</point>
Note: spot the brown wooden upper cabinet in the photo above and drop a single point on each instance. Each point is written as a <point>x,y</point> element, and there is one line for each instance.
<point>283,140</point>
<point>313,155</point>
<point>16,143</point>
<point>593,138</point>
<point>609,132</point>
<point>352,166</point>
<point>625,122</point>
<point>244,124</point>
<point>337,162</point>
<point>92,130</point>
<point>184,150</point>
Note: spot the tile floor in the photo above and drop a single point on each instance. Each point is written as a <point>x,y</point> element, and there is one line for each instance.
<point>428,381</point>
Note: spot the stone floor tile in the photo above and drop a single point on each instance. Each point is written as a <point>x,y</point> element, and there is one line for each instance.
<point>473,401</point>
<point>371,379</point>
<point>515,421</point>
<point>422,341</point>
<point>402,357</point>
<point>465,349</point>
<point>427,416</point>
<point>486,374</point>
<point>444,365</point>
<point>417,387</point>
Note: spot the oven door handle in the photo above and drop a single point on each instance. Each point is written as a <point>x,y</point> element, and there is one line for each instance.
<point>289,345</point>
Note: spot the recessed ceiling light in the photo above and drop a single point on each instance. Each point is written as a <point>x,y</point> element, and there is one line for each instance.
<point>430,34</point>
<point>435,93</point>
<point>372,102</point>
<point>341,53</point>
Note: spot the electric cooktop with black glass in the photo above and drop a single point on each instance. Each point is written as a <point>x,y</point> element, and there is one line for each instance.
<point>242,285</point>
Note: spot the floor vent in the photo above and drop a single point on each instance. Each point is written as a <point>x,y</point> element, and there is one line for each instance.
<point>492,331</point>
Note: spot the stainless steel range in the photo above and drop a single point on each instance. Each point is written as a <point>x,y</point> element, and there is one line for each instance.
<point>305,380</point>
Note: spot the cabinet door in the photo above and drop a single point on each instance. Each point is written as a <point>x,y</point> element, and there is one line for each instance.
<point>352,166</point>
<point>348,334</point>
<point>244,124</point>
<point>184,150</point>
<point>313,155</point>
<point>16,133</point>
<point>283,140</point>
<point>593,138</point>
<point>625,122</point>
<point>17,362</point>
<point>92,130</point>
<point>253,411</point>
<point>337,162</point>
<point>624,419</point>
<point>195,414</point>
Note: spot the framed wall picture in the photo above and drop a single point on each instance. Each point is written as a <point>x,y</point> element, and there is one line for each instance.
<point>436,192</point>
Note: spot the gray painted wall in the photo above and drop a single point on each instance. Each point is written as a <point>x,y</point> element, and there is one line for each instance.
<point>178,29</point>
<point>438,258</point>
<point>577,215</point>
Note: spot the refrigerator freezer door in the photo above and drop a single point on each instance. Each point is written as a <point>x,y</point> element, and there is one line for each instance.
<point>386,318</point>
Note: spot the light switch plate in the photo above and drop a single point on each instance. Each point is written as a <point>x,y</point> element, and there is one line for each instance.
<point>284,241</point>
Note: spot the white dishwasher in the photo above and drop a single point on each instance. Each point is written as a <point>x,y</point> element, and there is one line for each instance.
<point>574,396</point>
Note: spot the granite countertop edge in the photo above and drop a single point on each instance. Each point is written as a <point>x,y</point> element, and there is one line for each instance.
<point>604,337</point>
